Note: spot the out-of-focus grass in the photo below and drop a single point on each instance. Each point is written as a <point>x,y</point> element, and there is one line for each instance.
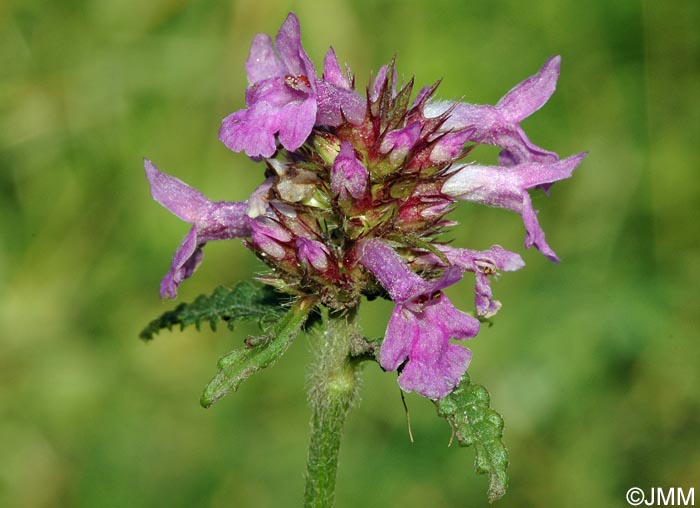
<point>593,362</point>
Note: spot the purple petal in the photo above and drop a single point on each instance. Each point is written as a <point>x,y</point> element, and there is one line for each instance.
<point>268,236</point>
<point>332,73</point>
<point>337,101</point>
<point>535,233</point>
<point>291,52</point>
<point>210,220</point>
<point>263,62</point>
<point>489,185</point>
<point>504,187</point>
<point>437,209</point>
<point>296,123</point>
<point>187,258</point>
<point>273,107</point>
<point>450,146</point>
<point>438,379</point>
<point>277,92</point>
<point>403,329</point>
<point>505,158</point>
<point>531,94</point>
<point>517,147</point>
<point>223,221</point>
<point>435,365</point>
<point>487,261</point>
<point>507,188</point>
<point>213,220</point>
<point>463,114</point>
<point>400,142</point>
<point>455,323</point>
<point>485,305</point>
<point>390,270</point>
<point>499,125</point>
<point>336,104</point>
<point>490,127</point>
<point>421,325</point>
<point>451,276</point>
<point>251,130</point>
<point>483,264</point>
<point>281,99</point>
<point>175,195</point>
<point>382,80</point>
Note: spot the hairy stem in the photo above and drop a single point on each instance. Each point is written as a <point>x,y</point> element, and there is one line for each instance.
<point>333,388</point>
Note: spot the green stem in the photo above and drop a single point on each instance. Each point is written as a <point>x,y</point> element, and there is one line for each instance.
<point>334,383</point>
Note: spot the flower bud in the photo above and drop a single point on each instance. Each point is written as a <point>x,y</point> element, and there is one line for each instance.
<point>399,143</point>
<point>312,253</point>
<point>450,146</point>
<point>349,178</point>
<point>269,237</point>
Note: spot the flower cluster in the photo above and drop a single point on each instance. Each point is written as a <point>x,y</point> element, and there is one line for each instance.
<point>357,189</point>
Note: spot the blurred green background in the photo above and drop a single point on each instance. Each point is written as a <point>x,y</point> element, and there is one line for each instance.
<point>592,362</point>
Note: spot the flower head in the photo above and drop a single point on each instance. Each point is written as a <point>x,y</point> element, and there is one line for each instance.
<point>356,192</point>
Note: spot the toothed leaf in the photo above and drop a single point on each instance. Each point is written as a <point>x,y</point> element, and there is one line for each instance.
<point>245,302</point>
<point>474,423</point>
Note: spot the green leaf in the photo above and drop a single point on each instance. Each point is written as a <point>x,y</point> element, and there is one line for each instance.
<point>245,302</point>
<point>238,365</point>
<point>473,422</point>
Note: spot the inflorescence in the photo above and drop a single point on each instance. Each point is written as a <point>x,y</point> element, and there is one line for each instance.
<point>356,192</point>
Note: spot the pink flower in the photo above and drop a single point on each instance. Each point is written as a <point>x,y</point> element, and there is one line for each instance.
<point>210,220</point>
<point>506,187</point>
<point>417,339</point>
<point>499,125</point>
<point>285,97</point>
